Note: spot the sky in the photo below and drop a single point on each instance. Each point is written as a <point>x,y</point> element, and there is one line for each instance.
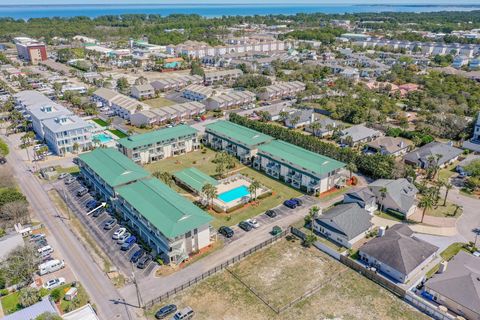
<point>326,2</point>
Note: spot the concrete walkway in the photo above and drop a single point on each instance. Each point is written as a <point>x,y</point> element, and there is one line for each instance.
<point>431,220</point>
<point>418,228</point>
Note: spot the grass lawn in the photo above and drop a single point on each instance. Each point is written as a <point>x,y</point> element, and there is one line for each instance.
<point>447,211</point>
<point>159,102</point>
<point>71,170</point>
<point>203,162</point>
<point>100,122</point>
<point>388,216</point>
<point>446,173</point>
<point>118,133</point>
<point>283,272</point>
<point>10,303</point>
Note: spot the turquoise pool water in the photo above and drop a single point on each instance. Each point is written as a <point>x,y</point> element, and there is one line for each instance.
<point>103,138</point>
<point>234,194</point>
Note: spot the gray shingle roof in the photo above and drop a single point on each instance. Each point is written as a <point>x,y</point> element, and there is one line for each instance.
<point>460,282</point>
<point>421,156</point>
<point>401,191</point>
<point>347,219</point>
<point>364,194</point>
<point>360,132</point>
<point>399,249</point>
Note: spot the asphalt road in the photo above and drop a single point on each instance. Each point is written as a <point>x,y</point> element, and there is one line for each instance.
<point>102,292</point>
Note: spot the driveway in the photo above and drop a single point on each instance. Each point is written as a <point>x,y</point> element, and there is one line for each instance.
<point>470,219</point>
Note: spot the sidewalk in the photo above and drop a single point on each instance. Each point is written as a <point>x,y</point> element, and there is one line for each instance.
<point>433,221</point>
<point>418,228</point>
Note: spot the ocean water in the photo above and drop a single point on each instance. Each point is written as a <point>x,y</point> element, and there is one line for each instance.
<point>209,10</point>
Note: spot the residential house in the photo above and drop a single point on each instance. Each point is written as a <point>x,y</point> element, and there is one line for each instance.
<point>394,146</point>
<point>298,167</point>
<point>358,134</point>
<point>364,197</point>
<point>300,118</point>
<point>222,76</point>
<point>344,224</point>
<point>322,127</point>
<point>433,153</point>
<point>143,91</point>
<point>235,139</point>
<point>460,61</point>
<point>32,312</point>
<point>160,144</point>
<point>197,92</point>
<point>398,195</point>
<point>458,286</point>
<point>276,110</point>
<point>398,253</point>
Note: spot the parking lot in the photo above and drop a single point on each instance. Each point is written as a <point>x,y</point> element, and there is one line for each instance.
<point>95,226</point>
<point>282,211</point>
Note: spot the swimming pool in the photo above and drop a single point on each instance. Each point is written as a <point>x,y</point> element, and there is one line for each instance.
<point>103,138</point>
<point>234,194</point>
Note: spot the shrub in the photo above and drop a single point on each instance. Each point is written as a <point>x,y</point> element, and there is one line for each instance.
<point>4,292</point>
<point>56,294</point>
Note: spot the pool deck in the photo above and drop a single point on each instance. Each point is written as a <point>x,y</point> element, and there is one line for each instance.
<point>230,184</point>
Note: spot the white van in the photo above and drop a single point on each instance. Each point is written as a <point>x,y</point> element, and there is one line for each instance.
<point>186,313</point>
<point>45,251</point>
<point>50,266</point>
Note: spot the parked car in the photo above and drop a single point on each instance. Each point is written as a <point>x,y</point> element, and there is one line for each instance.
<point>184,314</point>
<point>117,234</point>
<point>290,204</point>
<point>144,261</point>
<point>271,213</point>
<point>98,212</point>
<point>298,201</point>
<point>63,175</point>
<point>253,222</point>
<point>127,246</point>
<point>36,237</point>
<point>276,230</point>
<point>245,225</point>
<point>164,311</point>
<point>83,191</point>
<point>123,238</point>
<point>91,204</point>
<point>50,284</point>
<point>110,224</point>
<point>130,240</point>
<point>227,232</point>
<point>137,255</point>
<point>69,180</point>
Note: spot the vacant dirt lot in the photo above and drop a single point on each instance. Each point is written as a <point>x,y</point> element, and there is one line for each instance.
<point>283,272</point>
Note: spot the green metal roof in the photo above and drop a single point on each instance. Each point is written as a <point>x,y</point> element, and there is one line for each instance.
<point>238,133</point>
<point>168,211</point>
<point>113,167</point>
<point>162,135</point>
<point>194,178</point>
<point>299,157</point>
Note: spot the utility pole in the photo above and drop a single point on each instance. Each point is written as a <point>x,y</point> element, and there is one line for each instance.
<point>139,297</point>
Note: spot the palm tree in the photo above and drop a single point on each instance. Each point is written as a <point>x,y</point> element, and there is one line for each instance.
<point>96,141</point>
<point>283,116</point>
<point>75,147</point>
<point>351,167</point>
<point>315,127</point>
<point>210,191</point>
<point>26,140</point>
<point>164,176</point>
<point>383,195</point>
<point>252,188</point>
<point>448,186</point>
<point>28,296</point>
<point>426,203</point>
<point>312,214</point>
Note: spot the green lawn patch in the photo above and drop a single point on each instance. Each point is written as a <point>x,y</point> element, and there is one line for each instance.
<point>159,102</point>
<point>446,173</point>
<point>389,215</point>
<point>447,211</point>
<point>10,303</point>
<point>447,255</point>
<point>3,148</point>
<point>71,170</point>
<point>100,122</point>
<point>118,133</point>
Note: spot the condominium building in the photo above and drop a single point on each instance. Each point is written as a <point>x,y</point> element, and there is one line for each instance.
<point>222,76</point>
<point>159,144</point>
<point>120,104</point>
<point>39,114</point>
<point>197,92</point>
<point>171,225</point>
<point>230,99</point>
<point>176,82</point>
<point>31,50</point>
<point>235,139</point>
<point>67,133</point>
<point>173,113</point>
<point>279,90</point>
<point>303,169</point>
<point>143,91</point>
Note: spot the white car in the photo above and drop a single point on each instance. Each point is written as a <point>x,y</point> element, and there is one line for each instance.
<point>117,234</point>
<point>253,222</point>
<point>123,237</point>
<point>50,284</point>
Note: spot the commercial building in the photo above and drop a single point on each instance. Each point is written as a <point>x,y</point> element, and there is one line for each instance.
<point>298,167</point>
<point>31,50</point>
<point>176,82</point>
<point>235,139</point>
<point>398,253</point>
<point>222,76</point>
<point>67,133</point>
<point>167,222</point>
<point>197,92</point>
<point>159,144</point>
<point>173,113</point>
<point>229,100</point>
<point>280,90</point>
